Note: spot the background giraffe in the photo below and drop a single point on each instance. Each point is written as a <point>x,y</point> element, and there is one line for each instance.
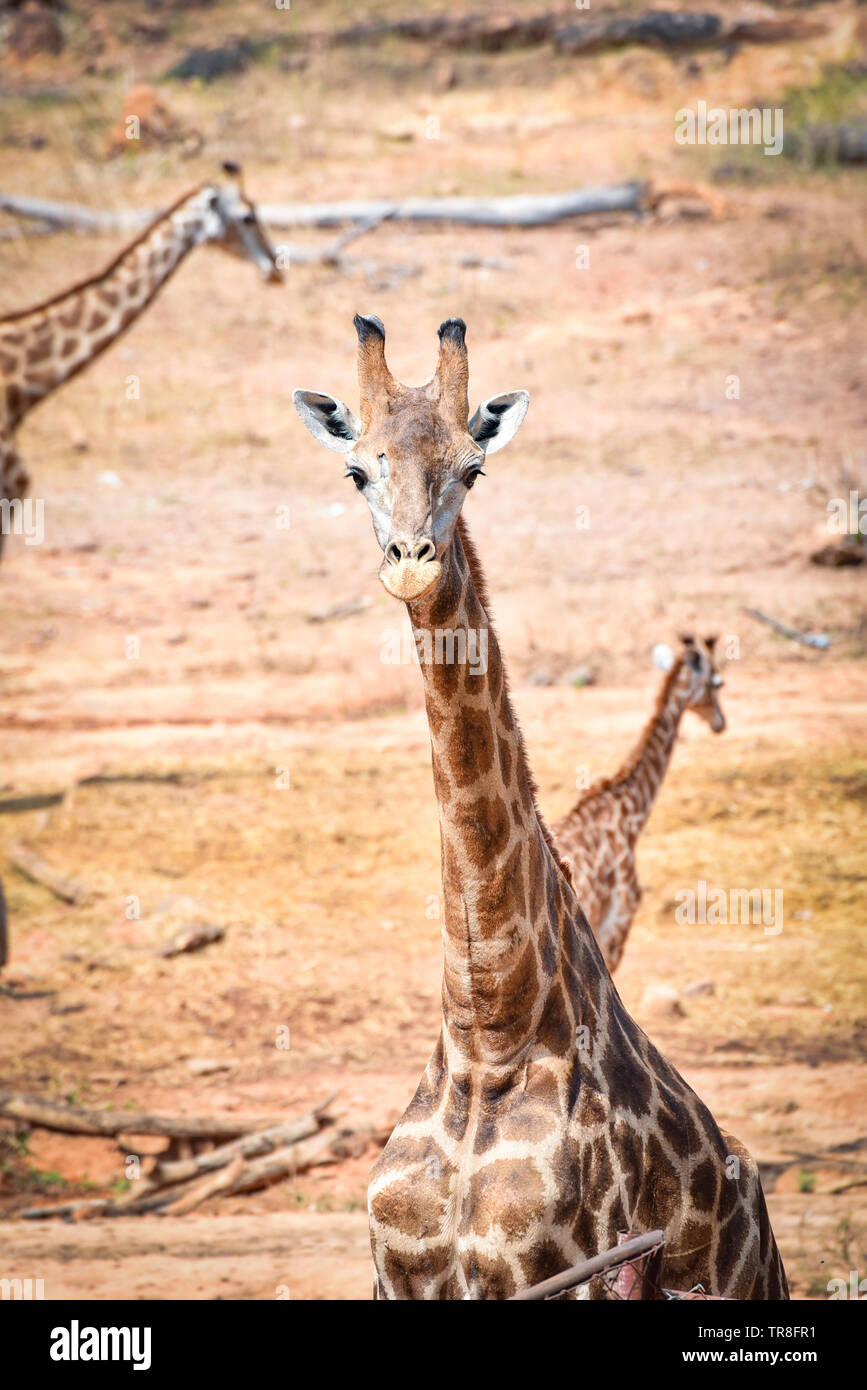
<point>599,835</point>
<point>546,1121</point>
<point>44,346</point>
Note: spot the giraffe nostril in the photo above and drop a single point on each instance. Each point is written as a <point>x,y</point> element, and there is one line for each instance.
<point>425,550</point>
<point>394,553</point>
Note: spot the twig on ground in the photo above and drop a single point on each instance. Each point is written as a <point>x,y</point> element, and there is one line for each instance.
<point>29,863</point>
<point>817,640</point>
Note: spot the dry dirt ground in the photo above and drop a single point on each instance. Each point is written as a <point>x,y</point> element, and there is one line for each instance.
<point>640,500</point>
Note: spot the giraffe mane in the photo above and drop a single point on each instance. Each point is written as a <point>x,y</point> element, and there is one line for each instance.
<point>626,769</point>
<point>106,270</point>
<point>481,587</point>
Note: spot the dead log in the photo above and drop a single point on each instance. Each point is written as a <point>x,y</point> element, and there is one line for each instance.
<point>657,29</point>
<point>325,1148</point>
<point>838,1187</point>
<point>681,30</point>
<point>69,1119</point>
<point>488,33</point>
<point>512,210</point>
<point>206,1187</point>
<point>515,210</point>
<point>239,1176</point>
<point>248,1146</point>
<point>491,32</point>
<point>74,217</point>
<point>18,805</point>
<point>29,863</point>
<point>818,640</point>
<point>93,1206</point>
<point>328,1147</point>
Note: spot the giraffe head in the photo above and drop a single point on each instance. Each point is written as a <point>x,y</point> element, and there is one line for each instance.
<point>414,454</point>
<point>697,677</point>
<point>231,222</point>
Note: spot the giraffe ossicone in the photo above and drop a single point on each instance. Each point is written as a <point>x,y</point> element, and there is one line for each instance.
<point>546,1121</point>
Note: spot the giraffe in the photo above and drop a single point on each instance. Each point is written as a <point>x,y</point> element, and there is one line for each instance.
<point>48,344</point>
<point>546,1121</point>
<point>599,835</point>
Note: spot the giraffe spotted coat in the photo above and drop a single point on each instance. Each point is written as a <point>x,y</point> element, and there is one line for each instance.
<point>600,834</point>
<point>46,345</point>
<point>546,1121</point>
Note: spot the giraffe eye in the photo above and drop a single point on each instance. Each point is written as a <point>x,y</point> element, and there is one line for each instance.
<point>359,478</point>
<point>470,477</point>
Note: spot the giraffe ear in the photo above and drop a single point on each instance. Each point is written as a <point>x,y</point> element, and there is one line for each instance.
<point>498,420</point>
<point>328,420</point>
<point>663,656</point>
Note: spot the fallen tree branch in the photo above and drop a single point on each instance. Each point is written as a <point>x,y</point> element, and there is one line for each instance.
<point>206,1187</point>
<point>486,32</point>
<point>492,32</point>
<point>329,1146</point>
<point>73,216</point>
<point>515,210</point>
<point>29,863</point>
<point>817,640</point>
<point>247,1177</point>
<point>837,1187</point>
<point>248,1146</point>
<point>92,1206</point>
<point>69,1119</point>
<point>9,993</point>
<point>681,30</point>
<point>512,210</point>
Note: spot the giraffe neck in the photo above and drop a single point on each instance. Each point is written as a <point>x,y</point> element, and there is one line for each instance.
<point>504,887</point>
<point>639,780</point>
<point>43,347</point>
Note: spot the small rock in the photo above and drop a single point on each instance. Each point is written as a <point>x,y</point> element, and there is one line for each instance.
<point>192,938</point>
<point>698,988</point>
<point>205,1066</point>
<point>661,1001</point>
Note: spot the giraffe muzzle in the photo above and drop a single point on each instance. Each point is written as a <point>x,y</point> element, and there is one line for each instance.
<point>407,572</point>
